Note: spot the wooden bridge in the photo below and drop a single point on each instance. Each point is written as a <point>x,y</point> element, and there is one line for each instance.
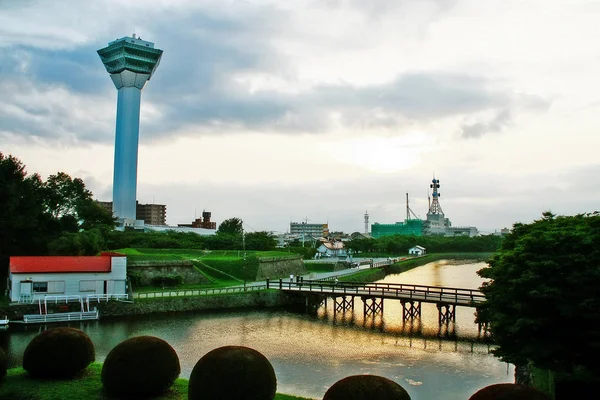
<point>372,294</point>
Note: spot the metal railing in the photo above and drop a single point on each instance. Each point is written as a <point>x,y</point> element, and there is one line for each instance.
<point>60,317</point>
<point>199,292</point>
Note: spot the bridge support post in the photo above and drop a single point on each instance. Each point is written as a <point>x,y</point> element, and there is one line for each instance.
<point>410,310</point>
<point>483,329</point>
<point>372,306</point>
<point>446,313</point>
<point>343,305</point>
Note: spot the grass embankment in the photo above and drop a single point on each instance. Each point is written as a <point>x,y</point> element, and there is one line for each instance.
<point>319,266</point>
<point>220,267</point>
<point>17,385</point>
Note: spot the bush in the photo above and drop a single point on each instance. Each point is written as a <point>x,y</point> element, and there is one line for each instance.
<point>233,373</point>
<point>366,387</point>
<point>139,367</point>
<point>3,363</point>
<point>58,353</point>
<point>508,391</point>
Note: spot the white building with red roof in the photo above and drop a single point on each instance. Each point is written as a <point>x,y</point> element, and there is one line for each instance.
<point>35,278</point>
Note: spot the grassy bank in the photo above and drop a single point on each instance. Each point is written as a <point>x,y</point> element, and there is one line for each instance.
<point>18,386</point>
<point>375,274</point>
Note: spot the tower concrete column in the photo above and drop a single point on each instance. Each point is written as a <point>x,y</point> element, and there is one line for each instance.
<point>130,62</point>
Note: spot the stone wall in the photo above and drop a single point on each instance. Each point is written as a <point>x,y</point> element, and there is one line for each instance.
<point>199,303</point>
<point>154,306</point>
<point>280,267</point>
<point>146,270</point>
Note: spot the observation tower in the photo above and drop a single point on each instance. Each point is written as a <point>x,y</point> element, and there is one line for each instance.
<point>131,62</point>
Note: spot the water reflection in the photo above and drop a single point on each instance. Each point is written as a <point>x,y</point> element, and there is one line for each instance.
<point>311,352</point>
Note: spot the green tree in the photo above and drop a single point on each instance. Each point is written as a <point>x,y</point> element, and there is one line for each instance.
<point>543,302</point>
<point>22,219</point>
<point>34,214</point>
<point>262,241</point>
<point>231,226</point>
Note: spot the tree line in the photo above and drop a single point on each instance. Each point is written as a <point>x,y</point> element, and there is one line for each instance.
<point>54,216</point>
<point>399,244</point>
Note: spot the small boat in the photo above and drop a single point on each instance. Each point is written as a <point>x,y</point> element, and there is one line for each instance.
<point>4,322</point>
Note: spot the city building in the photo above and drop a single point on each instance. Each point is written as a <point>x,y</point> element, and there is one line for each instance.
<point>34,278</point>
<point>435,224</point>
<point>408,227</point>
<point>203,222</point>
<point>150,214</point>
<point>131,62</point>
<point>305,229</point>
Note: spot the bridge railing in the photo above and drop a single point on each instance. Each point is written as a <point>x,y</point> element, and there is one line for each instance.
<point>397,290</point>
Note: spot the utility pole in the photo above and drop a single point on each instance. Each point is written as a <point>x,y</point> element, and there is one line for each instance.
<point>243,240</point>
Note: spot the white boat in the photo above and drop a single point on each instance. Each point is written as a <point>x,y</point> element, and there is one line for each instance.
<point>4,322</point>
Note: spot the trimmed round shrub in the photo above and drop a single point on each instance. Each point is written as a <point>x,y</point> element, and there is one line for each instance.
<point>3,363</point>
<point>232,373</point>
<point>140,367</point>
<point>58,353</point>
<point>508,391</point>
<point>366,387</point>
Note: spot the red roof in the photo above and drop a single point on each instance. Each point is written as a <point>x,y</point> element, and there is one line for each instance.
<point>20,265</point>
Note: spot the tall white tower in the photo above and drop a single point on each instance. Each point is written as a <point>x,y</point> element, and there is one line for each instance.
<point>366,222</point>
<point>131,62</point>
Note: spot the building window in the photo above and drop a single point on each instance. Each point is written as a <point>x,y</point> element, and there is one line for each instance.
<point>40,287</point>
<point>87,286</point>
<point>56,287</point>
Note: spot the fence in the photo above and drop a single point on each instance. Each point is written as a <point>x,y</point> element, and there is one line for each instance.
<point>199,292</point>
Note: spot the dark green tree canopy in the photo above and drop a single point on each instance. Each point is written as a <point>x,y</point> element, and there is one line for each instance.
<point>56,216</point>
<point>543,300</point>
<point>231,226</point>
<point>21,207</point>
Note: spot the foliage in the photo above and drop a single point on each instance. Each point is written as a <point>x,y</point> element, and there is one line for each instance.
<point>399,244</point>
<point>64,195</point>
<point>36,213</point>
<point>188,240</point>
<point>231,226</point>
<point>3,363</point>
<point>366,387</point>
<point>306,252</point>
<point>19,386</point>
<point>22,213</point>
<point>262,241</point>
<point>84,243</point>
<point>67,350</point>
<point>508,391</point>
<point>140,366</point>
<point>234,373</point>
<point>543,300</point>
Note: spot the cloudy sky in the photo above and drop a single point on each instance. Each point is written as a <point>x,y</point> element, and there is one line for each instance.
<point>318,110</point>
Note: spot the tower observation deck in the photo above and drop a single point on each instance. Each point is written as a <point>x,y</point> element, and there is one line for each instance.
<point>131,62</point>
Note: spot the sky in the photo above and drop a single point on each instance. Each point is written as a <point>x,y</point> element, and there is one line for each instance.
<point>317,111</point>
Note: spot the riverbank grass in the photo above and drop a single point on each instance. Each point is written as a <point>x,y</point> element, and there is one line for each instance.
<point>17,385</point>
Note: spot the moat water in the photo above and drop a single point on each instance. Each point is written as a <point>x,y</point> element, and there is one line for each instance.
<point>311,352</point>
